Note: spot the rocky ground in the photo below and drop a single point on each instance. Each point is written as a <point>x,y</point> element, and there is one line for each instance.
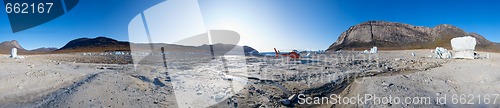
<point>67,80</point>
<point>464,83</point>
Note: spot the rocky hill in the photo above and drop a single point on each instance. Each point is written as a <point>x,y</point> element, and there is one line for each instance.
<point>104,44</point>
<point>392,35</point>
<point>93,42</point>
<point>98,44</point>
<point>6,47</point>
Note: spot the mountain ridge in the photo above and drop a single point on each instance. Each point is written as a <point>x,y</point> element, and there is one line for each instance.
<point>105,44</point>
<point>400,36</point>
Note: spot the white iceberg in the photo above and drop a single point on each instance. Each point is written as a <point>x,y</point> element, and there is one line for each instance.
<point>13,53</point>
<point>374,50</point>
<point>464,47</point>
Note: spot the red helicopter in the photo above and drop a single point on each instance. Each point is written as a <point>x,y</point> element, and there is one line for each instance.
<point>293,55</point>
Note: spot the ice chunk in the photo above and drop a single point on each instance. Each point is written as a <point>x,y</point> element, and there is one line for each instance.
<point>374,50</point>
<point>13,53</point>
<point>463,43</point>
<point>441,53</point>
<point>464,47</point>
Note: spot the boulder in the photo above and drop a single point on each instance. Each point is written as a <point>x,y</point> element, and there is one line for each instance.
<point>464,47</point>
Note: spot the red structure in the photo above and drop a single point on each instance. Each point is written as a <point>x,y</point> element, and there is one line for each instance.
<point>293,54</point>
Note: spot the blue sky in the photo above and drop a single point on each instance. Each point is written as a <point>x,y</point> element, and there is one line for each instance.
<point>265,24</point>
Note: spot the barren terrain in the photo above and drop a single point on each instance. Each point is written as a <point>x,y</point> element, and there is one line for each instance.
<point>80,80</point>
<point>477,80</point>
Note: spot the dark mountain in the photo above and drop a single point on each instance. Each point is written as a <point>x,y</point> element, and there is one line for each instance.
<point>103,44</point>
<point>98,44</point>
<point>392,35</point>
<point>93,42</point>
<point>248,49</point>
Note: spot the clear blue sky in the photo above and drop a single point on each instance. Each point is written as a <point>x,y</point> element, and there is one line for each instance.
<point>265,24</point>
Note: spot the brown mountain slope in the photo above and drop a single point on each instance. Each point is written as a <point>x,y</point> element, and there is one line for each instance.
<point>392,35</point>
<point>6,47</point>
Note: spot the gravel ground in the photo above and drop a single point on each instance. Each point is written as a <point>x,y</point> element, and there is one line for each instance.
<point>66,80</point>
<point>464,83</point>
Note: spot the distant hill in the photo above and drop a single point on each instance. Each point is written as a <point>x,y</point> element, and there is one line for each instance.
<point>228,49</point>
<point>248,49</point>
<point>6,47</point>
<point>104,44</point>
<point>392,35</point>
<point>44,49</point>
<point>98,44</point>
